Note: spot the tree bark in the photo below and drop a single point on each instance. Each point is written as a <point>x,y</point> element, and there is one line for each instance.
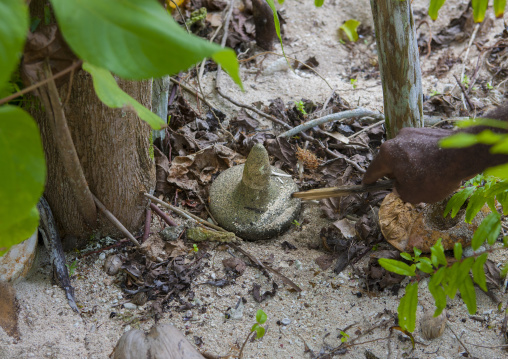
<point>113,149</point>
<point>112,145</point>
<point>399,64</point>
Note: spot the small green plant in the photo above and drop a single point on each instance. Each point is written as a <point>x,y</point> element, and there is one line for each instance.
<point>195,247</point>
<point>349,29</point>
<point>434,93</point>
<point>353,82</point>
<point>260,331</point>
<point>446,279</point>
<point>465,81</point>
<point>489,86</point>
<point>72,267</point>
<point>344,336</point>
<point>296,223</point>
<point>300,106</point>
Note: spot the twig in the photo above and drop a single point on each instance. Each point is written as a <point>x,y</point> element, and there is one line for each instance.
<point>163,215</point>
<point>184,213</point>
<point>430,37</point>
<point>66,149</point>
<point>464,93</point>
<point>341,116</point>
<point>115,221</point>
<point>460,341</point>
<point>342,190</point>
<point>254,260</point>
<point>240,355</point>
<point>117,244</point>
<point>41,83</point>
<point>491,347</point>
<point>325,105</point>
<point>69,88</point>
<point>351,162</point>
<point>367,128</point>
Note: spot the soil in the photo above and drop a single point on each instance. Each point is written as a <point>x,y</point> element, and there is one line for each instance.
<point>329,303</point>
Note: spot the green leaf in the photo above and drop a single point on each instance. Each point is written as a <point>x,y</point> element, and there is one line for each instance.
<point>260,332</point>
<point>425,267</point>
<point>479,271</point>
<point>437,254</point>
<point>489,122</point>
<point>277,26</point>
<point>500,147</point>
<point>261,316</point>
<point>113,96</point>
<point>502,198</point>
<point>468,294</point>
<point>479,9</point>
<point>457,251</point>
<point>434,7</point>
<point>455,203</point>
<point>396,266</point>
<point>504,270</point>
<point>464,268</point>
<point>499,6</point>
<point>406,256</point>
<point>450,280</point>
<point>417,252</point>
<point>254,327</point>
<point>487,137</point>
<point>437,291</point>
<point>13,31</point>
<point>135,39</point>
<point>319,3</point>
<point>459,140</point>
<point>407,307</point>
<point>489,229</point>
<point>23,173</point>
<point>349,27</point>
<point>498,171</point>
<point>475,204</point>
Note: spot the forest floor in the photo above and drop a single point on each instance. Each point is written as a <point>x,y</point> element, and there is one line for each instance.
<point>307,324</point>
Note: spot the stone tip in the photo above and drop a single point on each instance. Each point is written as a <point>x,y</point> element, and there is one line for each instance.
<point>257,170</point>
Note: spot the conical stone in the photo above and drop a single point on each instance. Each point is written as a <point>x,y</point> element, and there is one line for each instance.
<point>251,202</point>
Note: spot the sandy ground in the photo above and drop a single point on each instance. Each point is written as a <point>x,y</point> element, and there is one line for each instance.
<point>328,303</point>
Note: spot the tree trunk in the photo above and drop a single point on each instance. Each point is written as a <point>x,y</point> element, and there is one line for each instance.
<point>112,145</point>
<point>113,149</point>
<point>399,64</point>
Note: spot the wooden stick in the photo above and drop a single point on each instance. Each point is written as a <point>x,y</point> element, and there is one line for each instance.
<point>115,221</point>
<point>321,193</point>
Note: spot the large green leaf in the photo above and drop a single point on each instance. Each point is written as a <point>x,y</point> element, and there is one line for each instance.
<point>479,9</point>
<point>23,173</point>
<point>113,96</point>
<point>407,307</point>
<point>434,7</point>
<point>500,171</point>
<point>13,31</point>
<point>134,39</point>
